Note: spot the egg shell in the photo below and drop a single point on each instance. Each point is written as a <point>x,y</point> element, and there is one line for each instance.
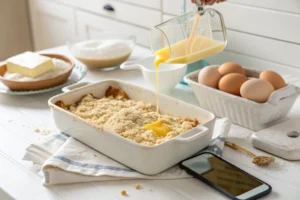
<point>209,76</point>
<point>257,90</point>
<point>231,67</point>
<point>251,78</point>
<point>272,77</point>
<point>231,83</point>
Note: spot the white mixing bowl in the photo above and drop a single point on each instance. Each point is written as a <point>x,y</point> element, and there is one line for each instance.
<point>169,74</point>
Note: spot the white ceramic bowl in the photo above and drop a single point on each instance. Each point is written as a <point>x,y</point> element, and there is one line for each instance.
<point>252,115</point>
<point>144,159</point>
<point>91,61</point>
<point>169,74</point>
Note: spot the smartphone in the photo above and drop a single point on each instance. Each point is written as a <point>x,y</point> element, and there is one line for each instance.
<point>225,177</point>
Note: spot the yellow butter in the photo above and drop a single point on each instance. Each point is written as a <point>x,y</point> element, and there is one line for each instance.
<point>158,128</point>
<point>29,64</point>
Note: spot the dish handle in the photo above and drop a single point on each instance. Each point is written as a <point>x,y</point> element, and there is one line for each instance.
<point>282,93</point>
<point>74,86</point>
<point>193,134</point>
<point>129,65</point>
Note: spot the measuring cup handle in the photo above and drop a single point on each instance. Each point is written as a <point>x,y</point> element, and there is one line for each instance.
<point>129,65</point>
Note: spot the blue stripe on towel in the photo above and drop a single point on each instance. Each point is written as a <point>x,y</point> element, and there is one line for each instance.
<point>91,166</point>
<point>61,136</point>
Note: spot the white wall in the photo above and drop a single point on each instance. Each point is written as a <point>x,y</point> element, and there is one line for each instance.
<point>14,28</point>
<point>266,31</point>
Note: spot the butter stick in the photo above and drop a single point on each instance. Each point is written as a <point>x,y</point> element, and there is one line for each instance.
<point>29,64</point>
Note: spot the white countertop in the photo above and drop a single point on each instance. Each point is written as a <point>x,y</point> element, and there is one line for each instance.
<point>20,115</point>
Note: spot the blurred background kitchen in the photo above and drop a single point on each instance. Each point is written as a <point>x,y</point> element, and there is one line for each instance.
<point>261,33</point>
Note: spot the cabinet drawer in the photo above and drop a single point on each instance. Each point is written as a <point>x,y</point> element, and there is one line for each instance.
<point>90,25</point>
<point>122,11</point>
<point>147,3</point>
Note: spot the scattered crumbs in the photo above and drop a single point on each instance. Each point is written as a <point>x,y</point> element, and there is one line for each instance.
<point>123,192</point>
<point>42,131</point>
<point>36,130</point>
<point>95,155</point>
<point>137,186</point>
<point>45,132</point>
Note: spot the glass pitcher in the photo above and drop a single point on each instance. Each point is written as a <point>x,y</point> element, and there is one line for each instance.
<point>189,37</point>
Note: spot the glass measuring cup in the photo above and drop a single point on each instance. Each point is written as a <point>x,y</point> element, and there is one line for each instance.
<point>189,37</point>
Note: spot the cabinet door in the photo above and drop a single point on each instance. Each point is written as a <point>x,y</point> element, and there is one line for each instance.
<point>121,11</point>
<point>52,24</point>
<point>90,26</point>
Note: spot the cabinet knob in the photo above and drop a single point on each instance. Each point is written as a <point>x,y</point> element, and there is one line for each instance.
<point>108,8</point>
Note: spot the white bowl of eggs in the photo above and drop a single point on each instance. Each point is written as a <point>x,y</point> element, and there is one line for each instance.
<point>248,97</point>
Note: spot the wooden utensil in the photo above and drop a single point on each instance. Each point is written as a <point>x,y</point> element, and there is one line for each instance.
<point>258,160</point>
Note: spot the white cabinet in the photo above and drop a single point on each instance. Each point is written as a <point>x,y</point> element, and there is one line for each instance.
<point>156,4</point>
<point>89,27</point>
<point>52,24</point>
<point>120,11</point>
<point>55,22</point>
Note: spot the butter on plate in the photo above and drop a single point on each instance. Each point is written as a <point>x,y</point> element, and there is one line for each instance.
<point>29,64</point>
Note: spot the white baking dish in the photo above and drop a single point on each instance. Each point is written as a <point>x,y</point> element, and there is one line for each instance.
<point>252,115</point>
<point>144,159</point>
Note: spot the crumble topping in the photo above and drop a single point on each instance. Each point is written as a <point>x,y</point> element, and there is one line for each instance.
<point>119,114</point>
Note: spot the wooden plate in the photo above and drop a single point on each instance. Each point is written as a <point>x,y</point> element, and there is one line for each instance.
<point>38,84</point>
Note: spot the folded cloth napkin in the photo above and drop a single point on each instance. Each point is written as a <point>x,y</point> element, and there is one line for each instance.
<point>63,159</point>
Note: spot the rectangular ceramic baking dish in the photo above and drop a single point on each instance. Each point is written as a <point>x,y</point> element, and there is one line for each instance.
<point>252,115</point>
<point>144,159</point>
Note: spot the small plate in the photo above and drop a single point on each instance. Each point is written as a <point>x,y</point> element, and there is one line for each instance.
<point>78,72</point>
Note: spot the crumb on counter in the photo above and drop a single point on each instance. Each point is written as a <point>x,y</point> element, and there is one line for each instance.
<point>123,192</point>
<point>36,130</point>
<point>137,186</point>
<point>46,132</point>
<point>95,155</point>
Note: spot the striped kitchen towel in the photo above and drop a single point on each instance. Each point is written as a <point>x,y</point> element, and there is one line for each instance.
<point>63,159</point>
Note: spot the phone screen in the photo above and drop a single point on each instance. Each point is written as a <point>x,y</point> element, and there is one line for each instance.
<point>234,181</point>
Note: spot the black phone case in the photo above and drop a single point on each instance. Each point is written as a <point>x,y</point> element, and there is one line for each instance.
<point>196,175</point>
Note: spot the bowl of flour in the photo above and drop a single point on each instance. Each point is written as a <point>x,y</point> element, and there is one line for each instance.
<point>109,51</point>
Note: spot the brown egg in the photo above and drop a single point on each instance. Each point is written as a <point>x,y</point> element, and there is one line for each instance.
<point>231,83</point>
<point>257,90</point>
<point>209,76</point>
<point>231,67</point>
<point>272,77</point>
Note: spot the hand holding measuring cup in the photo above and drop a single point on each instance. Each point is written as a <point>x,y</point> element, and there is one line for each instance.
<point>208,2</point>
